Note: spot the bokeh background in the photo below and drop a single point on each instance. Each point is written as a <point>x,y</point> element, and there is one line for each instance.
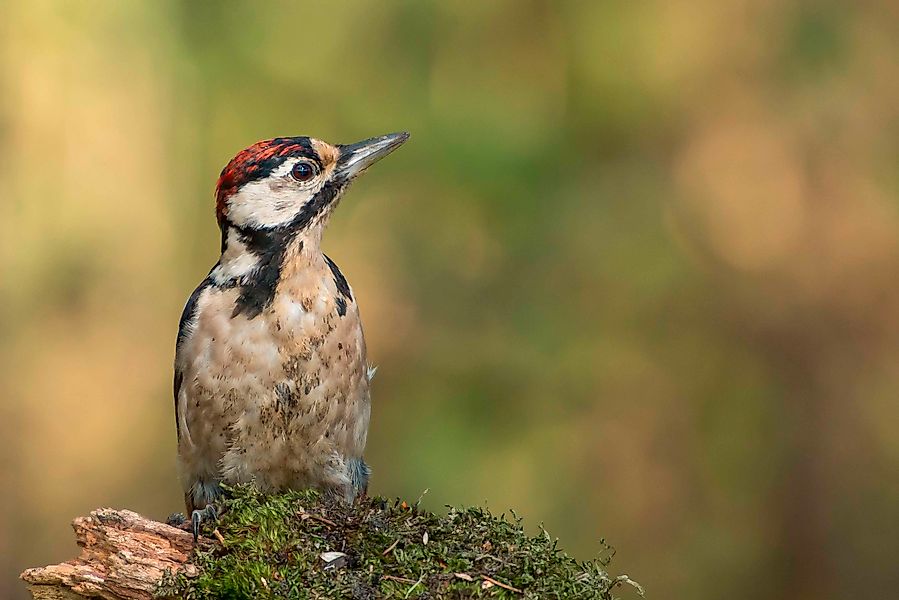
<point>635,276</point>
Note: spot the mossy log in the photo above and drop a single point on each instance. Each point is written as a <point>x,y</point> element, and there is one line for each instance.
<point>300,545</point>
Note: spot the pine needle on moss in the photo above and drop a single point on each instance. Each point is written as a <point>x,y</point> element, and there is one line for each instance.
<point>300,545</point>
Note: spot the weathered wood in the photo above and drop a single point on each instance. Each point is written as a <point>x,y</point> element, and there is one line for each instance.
<point>123,555</point>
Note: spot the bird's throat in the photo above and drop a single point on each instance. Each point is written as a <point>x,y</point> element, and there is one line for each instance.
<point>255,261</point>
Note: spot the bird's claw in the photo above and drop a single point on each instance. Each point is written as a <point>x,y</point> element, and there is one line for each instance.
<point>197,517</point>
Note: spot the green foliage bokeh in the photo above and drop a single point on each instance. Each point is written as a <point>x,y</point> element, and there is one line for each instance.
<point>634,275</point>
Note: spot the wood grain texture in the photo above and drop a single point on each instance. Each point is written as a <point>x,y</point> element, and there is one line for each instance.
<point>123,555</point>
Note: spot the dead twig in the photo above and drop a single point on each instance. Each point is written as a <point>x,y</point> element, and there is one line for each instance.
<point>328,522</point>
<point>505,586</point>
<point>399,579</point>
<point>390,547</point>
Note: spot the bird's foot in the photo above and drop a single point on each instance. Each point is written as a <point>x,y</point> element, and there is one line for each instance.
<point>175,519</point>
<point>197,517</point>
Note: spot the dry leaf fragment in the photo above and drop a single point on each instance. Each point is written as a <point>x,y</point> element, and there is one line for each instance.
<point>329,556</point>
<point>334,560</point>
<point>424,538</point>
<point>463,576</point>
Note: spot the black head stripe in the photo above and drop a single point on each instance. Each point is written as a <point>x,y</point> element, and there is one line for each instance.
<point>263,166</point>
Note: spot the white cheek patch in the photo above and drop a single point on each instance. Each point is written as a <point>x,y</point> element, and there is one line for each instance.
<point>272,201</point>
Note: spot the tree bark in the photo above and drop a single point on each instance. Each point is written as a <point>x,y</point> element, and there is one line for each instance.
<point>123,555</point>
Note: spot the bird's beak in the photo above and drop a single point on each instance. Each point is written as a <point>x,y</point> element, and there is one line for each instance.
<point>355,158</point>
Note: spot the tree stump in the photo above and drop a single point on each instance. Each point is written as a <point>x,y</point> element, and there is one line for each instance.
<point>123,555</point>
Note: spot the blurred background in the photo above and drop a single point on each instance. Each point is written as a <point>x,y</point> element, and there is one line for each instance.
<point>635,276</point>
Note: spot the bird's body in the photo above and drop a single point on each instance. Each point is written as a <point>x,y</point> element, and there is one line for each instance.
<point>271,379</point>
<point>280,399</point>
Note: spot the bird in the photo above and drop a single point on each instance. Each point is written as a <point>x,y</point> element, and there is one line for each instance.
<point>271,379</point>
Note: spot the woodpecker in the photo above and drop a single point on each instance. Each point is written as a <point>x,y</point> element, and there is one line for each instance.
<point>271,381</point>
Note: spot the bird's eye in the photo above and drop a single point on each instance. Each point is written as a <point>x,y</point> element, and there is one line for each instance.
<point>303,171</point>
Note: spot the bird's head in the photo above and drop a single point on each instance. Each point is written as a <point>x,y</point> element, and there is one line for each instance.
<point>292,183</point>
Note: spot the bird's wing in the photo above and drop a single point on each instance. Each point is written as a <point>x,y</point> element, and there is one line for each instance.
<point>185,327</point>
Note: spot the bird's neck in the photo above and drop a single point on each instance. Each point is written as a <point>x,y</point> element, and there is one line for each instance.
<point>256,260</point>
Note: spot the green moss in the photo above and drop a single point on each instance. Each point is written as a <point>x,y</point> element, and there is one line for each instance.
<point>273,548</point>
